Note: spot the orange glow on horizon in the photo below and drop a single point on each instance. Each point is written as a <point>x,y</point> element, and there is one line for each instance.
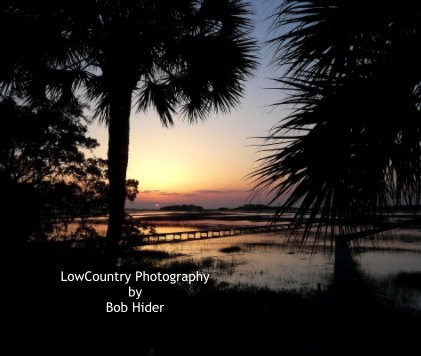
<point>207,199</point>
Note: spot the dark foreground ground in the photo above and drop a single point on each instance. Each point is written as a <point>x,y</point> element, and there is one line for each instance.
<point>47,316</point>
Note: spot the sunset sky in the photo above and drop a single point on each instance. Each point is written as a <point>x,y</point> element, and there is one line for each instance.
<point>205,163</point>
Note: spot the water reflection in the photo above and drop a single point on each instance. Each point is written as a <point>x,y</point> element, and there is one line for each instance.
<point>262,261</point>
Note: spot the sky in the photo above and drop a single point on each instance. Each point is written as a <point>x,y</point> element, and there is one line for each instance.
<point>206,163</point>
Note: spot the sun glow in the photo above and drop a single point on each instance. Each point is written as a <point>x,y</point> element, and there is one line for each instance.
<point>186,157</point>
<point>204,164</point>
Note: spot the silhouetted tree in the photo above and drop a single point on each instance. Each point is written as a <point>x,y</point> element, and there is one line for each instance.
<point>43,164</point>
<point>132,189</point>
<point>43,168</point>
<point>351,143</point>
<point>44,144</point>
<point>176,56</point>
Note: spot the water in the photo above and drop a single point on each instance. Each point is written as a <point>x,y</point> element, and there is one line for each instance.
<point>260,262</point>
<point>263,260</point>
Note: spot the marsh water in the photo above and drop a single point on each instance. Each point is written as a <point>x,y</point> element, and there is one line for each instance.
<point>264,260</point>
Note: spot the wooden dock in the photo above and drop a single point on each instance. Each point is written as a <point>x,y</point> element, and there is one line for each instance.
<point>184,236</point>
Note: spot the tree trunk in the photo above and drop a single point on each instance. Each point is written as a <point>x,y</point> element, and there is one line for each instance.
<point>118,155</point>
<point>345,270</point>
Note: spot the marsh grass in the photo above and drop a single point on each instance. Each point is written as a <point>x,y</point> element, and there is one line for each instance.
<point>261,244</point>
<point>155,254</point>
<point>230,249</point>
<point>363,249</point>
<point>270,322</point>
<point>187,265</point>
<point>408,280</point>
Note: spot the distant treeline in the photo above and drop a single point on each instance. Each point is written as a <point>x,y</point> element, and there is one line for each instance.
<point>184,207</point>
<point>255,207</point>
<point>191,207</point>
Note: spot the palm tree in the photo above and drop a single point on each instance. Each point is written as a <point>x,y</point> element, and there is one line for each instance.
<point>188,57</point>
<point>351,144</point>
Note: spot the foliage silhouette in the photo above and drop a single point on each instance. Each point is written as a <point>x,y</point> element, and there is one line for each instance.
<point>184,57</point>
<point>350,145</point>
<point>43,167</point>
<point>183,207</point>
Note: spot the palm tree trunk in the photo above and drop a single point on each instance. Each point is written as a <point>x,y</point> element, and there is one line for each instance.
<point>345,269</point>
<point>118,155</point>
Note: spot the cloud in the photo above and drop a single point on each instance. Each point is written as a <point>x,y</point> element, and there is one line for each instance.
<point>212,191</point>
<point>168,193</point>
<point>149,191</point>
<point>160,192</point>
<point>192,194</point>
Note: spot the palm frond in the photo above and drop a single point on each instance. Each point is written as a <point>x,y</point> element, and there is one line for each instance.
<point>98,92</point>
<point>161,97</point>
<point>340,157</point>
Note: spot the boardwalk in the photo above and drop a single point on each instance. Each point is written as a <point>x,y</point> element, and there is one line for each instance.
<point>206,234</point>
